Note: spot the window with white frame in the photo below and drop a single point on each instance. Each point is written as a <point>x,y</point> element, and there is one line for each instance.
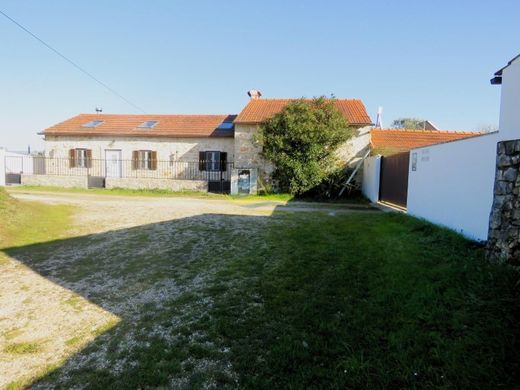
<point>213,161</point>
<point>81,158</point>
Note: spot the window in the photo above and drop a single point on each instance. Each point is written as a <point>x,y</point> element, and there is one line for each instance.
<point>94,123</point>
<point>80,158</point>
<point>226,125</point>
<point>144,159</point>
<point>212,161</point>
<point>147,124</point>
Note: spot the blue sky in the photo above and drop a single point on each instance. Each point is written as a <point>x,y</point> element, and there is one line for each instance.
<point>415,58</point>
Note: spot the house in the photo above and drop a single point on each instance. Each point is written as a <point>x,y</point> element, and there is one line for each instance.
<point>247,151</point>
<point>177,152</point>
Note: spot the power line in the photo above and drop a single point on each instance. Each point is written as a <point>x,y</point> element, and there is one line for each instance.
<point>72,63</point>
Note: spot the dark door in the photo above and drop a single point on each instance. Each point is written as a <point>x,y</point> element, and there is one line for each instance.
<point>393,186</point>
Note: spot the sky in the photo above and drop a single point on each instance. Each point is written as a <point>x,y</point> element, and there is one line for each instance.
<point>426,59</point>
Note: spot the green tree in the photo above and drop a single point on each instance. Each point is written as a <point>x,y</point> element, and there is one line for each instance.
<point>409,123</point>
<point>301,141</point>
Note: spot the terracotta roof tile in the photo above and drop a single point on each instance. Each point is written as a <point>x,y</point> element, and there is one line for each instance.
<point>400,140</point>
<point>127,125</point>
<point>258,110</point>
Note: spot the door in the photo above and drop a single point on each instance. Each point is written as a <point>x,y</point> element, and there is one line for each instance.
<point>244,181</point>
<point>393,186</point>
<point>112,163</point>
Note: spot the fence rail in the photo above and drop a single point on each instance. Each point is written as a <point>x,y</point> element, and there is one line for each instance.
<point>145,169</point>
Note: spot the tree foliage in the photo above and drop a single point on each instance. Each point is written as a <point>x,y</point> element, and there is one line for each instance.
<point>301,141</point>
<point>409,123</point>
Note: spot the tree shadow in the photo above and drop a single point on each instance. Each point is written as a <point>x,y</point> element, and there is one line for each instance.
<point>161,280</point>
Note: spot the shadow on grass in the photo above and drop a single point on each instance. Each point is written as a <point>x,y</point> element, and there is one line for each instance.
<point>359,301</point>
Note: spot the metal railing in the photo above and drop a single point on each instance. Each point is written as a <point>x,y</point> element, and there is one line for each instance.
<point>146,169</point>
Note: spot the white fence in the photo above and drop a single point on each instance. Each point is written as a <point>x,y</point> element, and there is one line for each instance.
<point>451,184</point>
<point>371,178</point>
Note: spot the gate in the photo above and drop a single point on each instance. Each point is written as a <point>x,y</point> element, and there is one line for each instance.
<point>393,186</point>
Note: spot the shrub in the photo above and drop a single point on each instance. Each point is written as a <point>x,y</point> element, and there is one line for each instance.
<point>301,141</point>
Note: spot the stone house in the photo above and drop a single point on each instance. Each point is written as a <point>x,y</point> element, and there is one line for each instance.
<point>178,152</point>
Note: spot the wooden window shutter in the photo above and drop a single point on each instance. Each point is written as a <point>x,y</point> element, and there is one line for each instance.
<point>72,158</point>
<point>202,161</point>
<point>135,159</point>
<point>153,158</point>
<point>89,158</point>
<point>223,161</point>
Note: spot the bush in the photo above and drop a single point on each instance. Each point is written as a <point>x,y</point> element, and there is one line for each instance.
<point>301,141</point>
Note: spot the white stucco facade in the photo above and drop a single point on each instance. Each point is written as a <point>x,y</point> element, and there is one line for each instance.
<point>451,184</point>
<point>2,167</point>
<point>509,123</point>
<point>371,178</point>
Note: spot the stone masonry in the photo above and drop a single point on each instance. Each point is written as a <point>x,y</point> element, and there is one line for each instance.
<point>504,224</point>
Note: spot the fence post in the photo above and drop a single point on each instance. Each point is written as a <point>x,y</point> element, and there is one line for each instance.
<point>2,167</point>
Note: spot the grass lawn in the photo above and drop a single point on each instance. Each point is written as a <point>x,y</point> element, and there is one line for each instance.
<point>292,300</point>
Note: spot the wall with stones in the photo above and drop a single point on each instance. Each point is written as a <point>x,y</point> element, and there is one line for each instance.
<point>178,149</point>
<point>55,181</point>
<point>504,224</point>
<point>163,184</point>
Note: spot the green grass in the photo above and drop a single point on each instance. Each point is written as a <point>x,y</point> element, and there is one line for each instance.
<point>22,348</point>
<point>26,223</point>
<point>289,301</point>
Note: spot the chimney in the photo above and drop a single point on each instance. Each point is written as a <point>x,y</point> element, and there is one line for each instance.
<point>254,94</point>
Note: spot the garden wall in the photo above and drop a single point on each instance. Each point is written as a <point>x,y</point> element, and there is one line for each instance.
<point>57,181</point>
<point>163,184</point>
<point>504,221</point>
<point>2,167</point>
<point>451,184</point>
<point>371,177</point>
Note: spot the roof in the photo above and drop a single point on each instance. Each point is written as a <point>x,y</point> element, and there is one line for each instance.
<point>128,125</point>
<point>401,140</point>
<point>497,80</point>
<point>258,110</point>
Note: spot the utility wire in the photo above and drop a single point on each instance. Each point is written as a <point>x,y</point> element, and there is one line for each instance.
<point>72,63</point>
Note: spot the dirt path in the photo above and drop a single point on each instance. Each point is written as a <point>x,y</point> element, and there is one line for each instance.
<point>108,212</point>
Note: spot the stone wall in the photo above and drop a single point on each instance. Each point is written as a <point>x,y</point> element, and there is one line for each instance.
<point>55,181</point>
<point>504,224</point>
<point>178,149</point>
<point>163,184</point>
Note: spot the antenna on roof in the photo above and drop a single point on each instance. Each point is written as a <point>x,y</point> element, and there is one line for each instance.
<point>379,120</point>
<point>99,110</point>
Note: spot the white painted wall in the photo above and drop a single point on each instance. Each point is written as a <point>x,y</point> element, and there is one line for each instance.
<point>453,184</point>
<point>509,123</point>
<point>2,167</point>
<point>371,172</point>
